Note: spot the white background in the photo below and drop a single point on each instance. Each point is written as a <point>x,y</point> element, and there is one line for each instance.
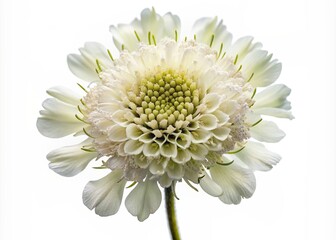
<point>296,200</point>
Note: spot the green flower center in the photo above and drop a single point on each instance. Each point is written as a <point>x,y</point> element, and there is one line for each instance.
<point>166,97</point>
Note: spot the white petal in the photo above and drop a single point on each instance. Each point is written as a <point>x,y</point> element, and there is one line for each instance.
<point>221,133</point>
<point>171,24</point>
<point>236,182</point>
<point>71,160</point>
<point>182,156</point>
<point>267,131</point>
<point>200,135</point>
<point>267,75</point>
<point>65,95</point>
<point>56,128</point>
<point>258,63</point>
<point>175,170</point>
<point>133,147</point>
<point>274,112</point>
<point>168,149</point>
<point>204,28</point>
<point>257,157</point>
<point>84,65</point>
<point>274,96</point>
<point>208,121</point>
<point>198,151</point>
<point>117,133</point>
<point>210,186</point>
<point>58,119</point>
<point>151,149</point>
<point>158,166</point>
<point>105,194</point>
<point>82,68</point>
<point>212,102</point>
<point>144,199</point>
<point>242,47</point>
<point>165,181</point>
<point>133,132</point>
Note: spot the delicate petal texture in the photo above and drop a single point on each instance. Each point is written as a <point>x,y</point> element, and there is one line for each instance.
<point>259,65</point>
<point>65,95</point>
<point>274,112</point>
<point>144,199</point>
<point>273,101</point>
<point>274,96</point>
<point>257,157</point>
<point>242,47</point>
<point>267,131</point>
<point>58,119</point>
<point>84,66</point>
<point>105,194</point>
<point>236,182</point>
<point>71,160</point>
<point>210,187</point>
<point>151,27</point>
<point>56,128</point>
<point>207,28</point>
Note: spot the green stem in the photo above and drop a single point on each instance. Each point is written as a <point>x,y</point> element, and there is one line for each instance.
<point>170,207</point>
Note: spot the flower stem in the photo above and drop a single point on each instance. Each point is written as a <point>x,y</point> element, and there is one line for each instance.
<point>170,207</point>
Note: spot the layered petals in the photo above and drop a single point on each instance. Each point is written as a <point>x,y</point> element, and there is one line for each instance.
<point>105,195</point>
<point>58,119</point>
<point>257,157</point>
<point>71,160</point>
<point>150,28</point>
<point>144,199</point>
<point>236,182</point>
<point>84,65</point>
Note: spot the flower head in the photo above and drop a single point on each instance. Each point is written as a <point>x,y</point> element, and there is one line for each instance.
<point>167,110</point>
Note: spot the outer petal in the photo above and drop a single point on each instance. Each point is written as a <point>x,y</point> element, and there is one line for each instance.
<point>84,65</point>
<point>58,119</point>
<point>273,101</point>
<point>258,63</point>
<point>257,157</point>
<point>236,182</point>
<point>105,194</point>
<point>274,96</point>
<point>204,28</point>
<point>71,160</point>
<point>242,47</point>
<point>210,186</point>
<point>65,95</point>
<point>150,22</point>
<point>144,199</point>
<point>267,131</point>
<point>274,112</point>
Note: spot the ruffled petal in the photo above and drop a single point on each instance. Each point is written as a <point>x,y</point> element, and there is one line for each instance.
<point>105,194</point>
<point>144,199</point>
<point>65,95</point>
<point>257,157</point>
<point>236,182</point>
<point>71,160</point>
<point>267,131</point>
<point>58,119</point>
<point>259,69</point>
<point>274,96</point>
<point>84,65</point>
<point>242,47</point>
<point>149,28</point>
<point>274,112</point>
<point>210,186</point>
<point>207,28</point>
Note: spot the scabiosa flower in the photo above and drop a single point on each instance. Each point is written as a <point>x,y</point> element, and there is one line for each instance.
<point>168,110</point>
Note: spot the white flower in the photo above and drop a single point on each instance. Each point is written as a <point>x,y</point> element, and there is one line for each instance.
<point>169,109</point>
